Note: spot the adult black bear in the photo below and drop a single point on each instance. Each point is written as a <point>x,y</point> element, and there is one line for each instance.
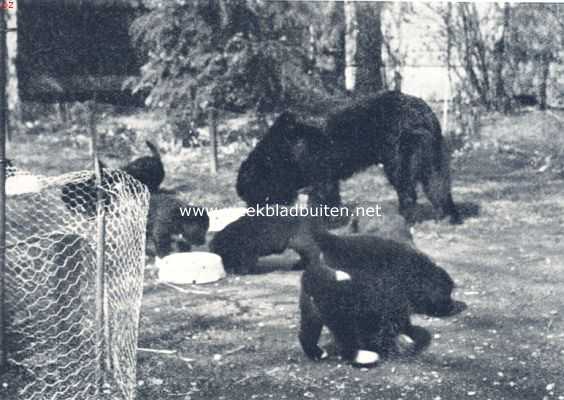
<point>394,129</point>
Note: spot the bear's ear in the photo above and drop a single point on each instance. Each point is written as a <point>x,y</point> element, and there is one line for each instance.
<point>285,121</point>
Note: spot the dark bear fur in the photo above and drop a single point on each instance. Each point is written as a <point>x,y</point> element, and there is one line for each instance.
<point>391,128</point>
<point>242,242</point>
<point>271,174</point>
<point>168,228</point>
<point>149,170</point>
<point>81,196</point>
<point>388,281</point>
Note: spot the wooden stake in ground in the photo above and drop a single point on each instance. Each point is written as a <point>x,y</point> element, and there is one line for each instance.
<point>103,335</point>
<point>212,115</point>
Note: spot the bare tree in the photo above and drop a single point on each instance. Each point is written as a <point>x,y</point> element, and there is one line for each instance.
<point>478,41</point>
<point>537,40</point>
<point>475,54</point>
<point>448,61</point>
<point>394,15</point>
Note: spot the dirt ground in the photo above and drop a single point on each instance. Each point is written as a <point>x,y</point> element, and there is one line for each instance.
<point>239,339</point>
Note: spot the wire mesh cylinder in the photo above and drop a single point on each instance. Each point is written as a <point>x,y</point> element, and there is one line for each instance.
<point>53,338</point>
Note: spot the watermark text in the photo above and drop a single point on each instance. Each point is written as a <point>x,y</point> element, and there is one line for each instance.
<point>276,210</point>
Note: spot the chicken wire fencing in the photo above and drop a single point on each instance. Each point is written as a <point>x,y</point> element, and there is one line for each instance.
<point>72,322</point>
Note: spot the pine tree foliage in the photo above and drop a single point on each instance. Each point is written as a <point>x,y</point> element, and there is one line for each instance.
<point>235,55</point>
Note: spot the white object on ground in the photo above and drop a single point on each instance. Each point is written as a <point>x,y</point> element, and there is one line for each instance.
<point>219,219</point>
<point>342,275</point>
<point>156,351</point>
<point>20,184</point>
<point>405,340</point>
<point>190,268</point>
<point>365,357</point>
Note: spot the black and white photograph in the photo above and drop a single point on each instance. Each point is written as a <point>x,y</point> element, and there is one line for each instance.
<point>281,200</point>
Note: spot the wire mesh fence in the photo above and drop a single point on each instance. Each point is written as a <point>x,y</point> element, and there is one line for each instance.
<point>72,321</point>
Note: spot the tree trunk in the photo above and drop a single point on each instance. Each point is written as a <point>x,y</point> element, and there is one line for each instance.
<point>545,59</point>
<point>500,51</point>
<point>448,23</point>
<point>330,57</point>
<point>394,47</point>
<point>363,47</point>
<point>351,46</point>
<point>479,46</point>
<point>473,48</point>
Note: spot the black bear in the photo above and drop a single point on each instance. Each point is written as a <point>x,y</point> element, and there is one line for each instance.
<point>394,129</point>
<point>171,222</point>
<point>80,196</point>
<point>364,290</point>
<point>149,170</point>
<point>242,242</point>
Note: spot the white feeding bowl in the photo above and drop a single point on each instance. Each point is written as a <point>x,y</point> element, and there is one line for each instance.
<point>219,219</point>
<point>190,268</point>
